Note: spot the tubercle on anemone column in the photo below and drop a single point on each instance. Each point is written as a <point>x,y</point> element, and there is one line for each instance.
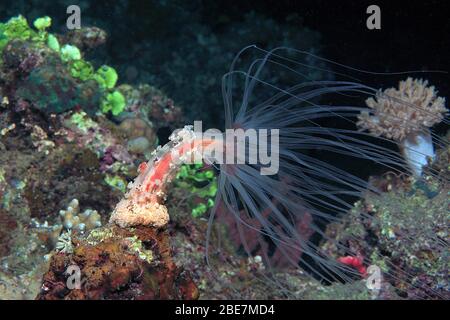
<point>143,204</point>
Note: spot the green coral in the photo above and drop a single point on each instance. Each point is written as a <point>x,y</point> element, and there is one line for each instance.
<point>136,246</point>
<point>116,182</point>
<point>14,28</point>
<point>18,28</point>
<point>3,38</point>
<point>2,175</point>
<point>53,43</point>
<point>99,235</point>
<point>114,102</point>
<point>82,121</point>
<point>82,70</point>
<point>70,53</point>
<point>106,77</point>
<point>199,182</point>
<point>42,23</point>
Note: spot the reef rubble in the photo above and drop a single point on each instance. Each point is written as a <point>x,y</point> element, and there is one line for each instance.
<point>116,263</point>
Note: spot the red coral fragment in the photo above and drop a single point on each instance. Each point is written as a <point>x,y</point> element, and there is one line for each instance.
<point>355,262</point>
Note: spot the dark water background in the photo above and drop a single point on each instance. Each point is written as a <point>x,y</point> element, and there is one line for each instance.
<point>144,36</point>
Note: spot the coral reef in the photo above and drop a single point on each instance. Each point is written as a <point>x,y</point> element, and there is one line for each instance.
<point>150,110</point>
<point>406,234</point>
<point>38,71</point>
<point>231,274</point>
<point>72,140</point>
<point>117,263</point>
<point>85,38</point>
<point>59,151</point>
<point>50,154</point>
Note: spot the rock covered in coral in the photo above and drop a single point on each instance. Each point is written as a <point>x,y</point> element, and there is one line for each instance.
<point>56,146</point>
<point>135,128</point>
<point>52,90</point>
<point>149,115</point>
<point>406,235</point>
<point>85,37</point>
<point>151,103</point>
<point>40,72</point>
<point>23,260</point>
<point>41,171</point>
<point>117,263</point>
<point>35,75</point>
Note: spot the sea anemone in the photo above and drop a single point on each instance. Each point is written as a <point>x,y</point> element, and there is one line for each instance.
<point>307,183</point>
